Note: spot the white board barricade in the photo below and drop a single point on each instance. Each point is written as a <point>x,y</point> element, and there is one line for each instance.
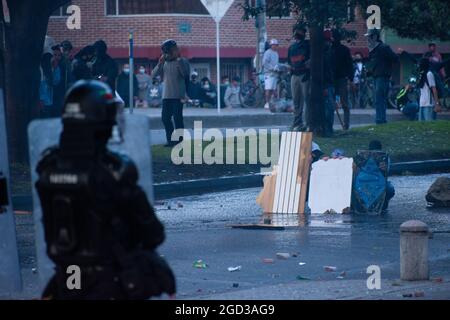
<point>330,186</point>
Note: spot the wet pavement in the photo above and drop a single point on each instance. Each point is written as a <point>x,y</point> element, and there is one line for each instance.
<point>199,228</point>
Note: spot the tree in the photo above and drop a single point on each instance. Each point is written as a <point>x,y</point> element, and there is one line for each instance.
<point>20,56</point>
<point>419,19</point>
<point>415,19</point>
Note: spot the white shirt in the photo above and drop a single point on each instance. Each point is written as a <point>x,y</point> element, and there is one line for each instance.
<point>426,95</point>
<point>270,61</point>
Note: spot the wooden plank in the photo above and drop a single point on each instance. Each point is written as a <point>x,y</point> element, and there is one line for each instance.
<point>293,174</point>
<point>278,179</point>
<point>283,169</point>
<point>305,165</point>
<point>288,171</point>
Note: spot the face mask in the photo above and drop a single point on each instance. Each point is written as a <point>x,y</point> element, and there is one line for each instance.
<point>126,70</point>
<point>226,83</point>
<point>142,71</point>
<point>206,87</point>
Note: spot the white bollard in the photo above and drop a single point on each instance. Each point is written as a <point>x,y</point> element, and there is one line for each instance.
<point>414,251</point>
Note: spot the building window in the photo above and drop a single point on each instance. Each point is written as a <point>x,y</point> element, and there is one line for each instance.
<point>235,69</point>
<point>61,11</point>
<point>136,7</point>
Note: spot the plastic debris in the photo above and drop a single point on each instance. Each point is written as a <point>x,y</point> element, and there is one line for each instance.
<point>235,285</point>
<point>342,275</point>
<point>283,255</point>
<point>438,280</point>
<point>295,254</point>
<point>301,263</point>
<point>199,264</point>
<point>180,205</point>
<point>268,260</point>
<point>233,269</point>
<point>407,295</point>
<point>396,284</point>
<point>329,268</point>
<point>419,294</point>
<point>302,278</point>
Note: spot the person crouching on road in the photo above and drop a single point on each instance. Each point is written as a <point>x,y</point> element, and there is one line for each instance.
<point>174,72</point>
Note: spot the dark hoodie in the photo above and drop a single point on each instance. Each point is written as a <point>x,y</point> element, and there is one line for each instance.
<point>105,66</point>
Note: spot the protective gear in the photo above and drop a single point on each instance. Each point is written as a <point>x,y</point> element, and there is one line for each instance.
<point>90,102</point>
<point>167,46</point>
<point>95,215</point>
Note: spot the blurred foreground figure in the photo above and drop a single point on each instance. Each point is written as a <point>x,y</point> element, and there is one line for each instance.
<point>95,215</point>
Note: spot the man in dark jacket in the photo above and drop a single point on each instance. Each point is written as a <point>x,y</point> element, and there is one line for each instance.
<point>105,68</point>
<point>123,85</point>
<point>328,83</point>
<point>343,73</point>
<point>80,67</point>
<point>381,61</point>
<point>95,215</point>
<point>298,59</point>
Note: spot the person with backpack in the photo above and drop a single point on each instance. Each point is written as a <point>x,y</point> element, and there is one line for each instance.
<point>429,97</point>
<point>95,215</point>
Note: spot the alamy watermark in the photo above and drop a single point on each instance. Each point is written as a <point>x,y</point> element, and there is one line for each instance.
<point>227,146</point>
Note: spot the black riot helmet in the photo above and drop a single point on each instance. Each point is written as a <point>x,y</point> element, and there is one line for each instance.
<point>90,102</point>
<point>167,46</point>
<point>90,112</point>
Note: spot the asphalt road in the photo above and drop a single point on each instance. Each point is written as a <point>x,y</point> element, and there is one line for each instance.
<point>198,227</point>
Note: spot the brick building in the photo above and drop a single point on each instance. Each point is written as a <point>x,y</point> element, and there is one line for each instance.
<point>188,22</point>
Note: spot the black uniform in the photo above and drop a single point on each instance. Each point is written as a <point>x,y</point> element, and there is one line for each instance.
<point>95,215</point>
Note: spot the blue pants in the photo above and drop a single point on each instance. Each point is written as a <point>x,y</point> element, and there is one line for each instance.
<point>381,96</point>
<point>427,114</point>
<point>411,109</point>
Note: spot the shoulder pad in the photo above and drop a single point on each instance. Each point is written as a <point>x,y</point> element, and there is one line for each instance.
<point>122,168</point>
<point>47,156</point>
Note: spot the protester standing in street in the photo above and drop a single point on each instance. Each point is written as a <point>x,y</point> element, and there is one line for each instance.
<point>328,82</point>
<point>429,100</point>
<point>174,71</point>
<point>144,82</point>
<point>382,59</point>
<point>104,68</point>
<point>80,67</point>
<point>270,66</point>
<point>359,82</point>
<point>435,59</point>
<point>298,59</point>
<point>343,73</point>
<point>123,85</point>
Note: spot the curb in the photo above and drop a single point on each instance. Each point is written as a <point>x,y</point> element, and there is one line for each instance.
<point>194,187</point>
<point>184,188</point>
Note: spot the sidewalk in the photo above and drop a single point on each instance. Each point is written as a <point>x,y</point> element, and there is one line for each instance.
<point>256,118</point>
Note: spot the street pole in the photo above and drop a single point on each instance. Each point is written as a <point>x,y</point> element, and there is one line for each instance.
<point>131,62</point>
<point>218,64</point>
<point>261,32</point>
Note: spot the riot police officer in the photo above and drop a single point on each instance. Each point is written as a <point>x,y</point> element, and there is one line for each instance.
<point>95,215</point>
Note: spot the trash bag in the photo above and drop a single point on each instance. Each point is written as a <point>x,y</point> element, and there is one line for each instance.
<point>438,195</point>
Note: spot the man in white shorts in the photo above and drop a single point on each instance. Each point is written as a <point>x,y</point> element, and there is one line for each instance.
<point>270,67</point>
